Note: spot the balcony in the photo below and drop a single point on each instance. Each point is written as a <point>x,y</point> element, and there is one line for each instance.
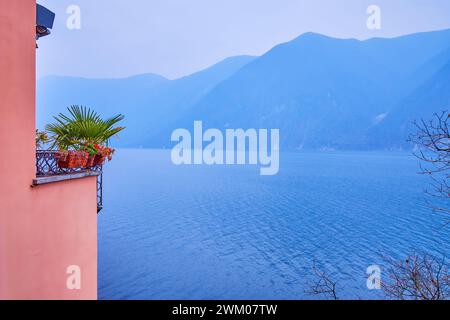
<point>48,171</point>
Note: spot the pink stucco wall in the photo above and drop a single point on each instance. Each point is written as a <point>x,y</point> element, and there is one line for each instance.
<point>44,229</point>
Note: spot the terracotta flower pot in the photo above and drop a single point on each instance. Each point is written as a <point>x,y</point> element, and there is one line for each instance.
<point>90,161</point>
<point>99,160</point>
<point>72,159</point>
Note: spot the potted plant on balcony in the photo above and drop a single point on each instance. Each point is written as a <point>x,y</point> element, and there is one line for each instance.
<point>102,154</point>
<point>82,137</point>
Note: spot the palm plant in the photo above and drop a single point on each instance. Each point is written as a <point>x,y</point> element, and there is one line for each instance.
<point>82,128</point>
<point>41,139</point>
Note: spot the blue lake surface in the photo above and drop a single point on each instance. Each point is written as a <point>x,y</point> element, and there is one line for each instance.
<point>225,232</point>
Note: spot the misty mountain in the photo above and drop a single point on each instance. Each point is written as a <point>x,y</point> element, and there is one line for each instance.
<point>431,97</point>
<point>321,92</point>
<point>149,102</point>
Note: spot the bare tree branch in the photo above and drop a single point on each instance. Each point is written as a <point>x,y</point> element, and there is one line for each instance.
<point>323,284</point>
<point>417,278</point>
<point>432,147</point>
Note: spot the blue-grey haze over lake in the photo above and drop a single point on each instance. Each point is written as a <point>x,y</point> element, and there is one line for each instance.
<point>225,232</point>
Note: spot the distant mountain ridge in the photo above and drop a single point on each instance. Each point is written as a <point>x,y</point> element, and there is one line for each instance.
<point>321,92</point>
<point>148,101</point>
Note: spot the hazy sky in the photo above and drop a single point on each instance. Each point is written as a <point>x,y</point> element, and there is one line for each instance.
<point>173,38</point>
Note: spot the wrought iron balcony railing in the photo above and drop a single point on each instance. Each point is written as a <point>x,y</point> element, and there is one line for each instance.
<point>47,166</point>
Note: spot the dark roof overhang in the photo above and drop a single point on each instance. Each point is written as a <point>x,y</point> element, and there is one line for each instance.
<point>44,21</point>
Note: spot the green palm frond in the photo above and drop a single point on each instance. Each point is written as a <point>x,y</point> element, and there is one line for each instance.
<point>82,126</point>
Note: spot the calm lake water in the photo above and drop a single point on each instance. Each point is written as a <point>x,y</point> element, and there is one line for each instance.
<point>225,232</point>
